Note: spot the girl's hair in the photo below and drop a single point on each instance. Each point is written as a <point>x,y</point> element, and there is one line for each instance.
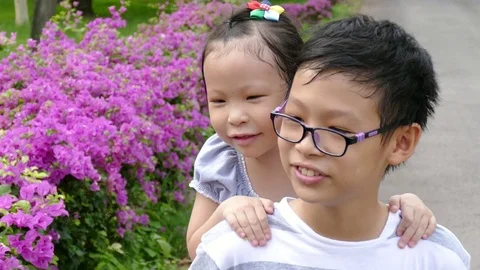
<point>281,38</point>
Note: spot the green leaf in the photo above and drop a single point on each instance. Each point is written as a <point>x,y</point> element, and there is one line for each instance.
<point>4,189</point>
<point>25,159</point>
<point>23,204</point>
<point>110,258</point>
<point>117,247</point>
<point>89,221</point>
<point>150,252</point>
<point>165,247</point>
<point>79,252</point>
<point>102,265</point>
<point>39,175</point>
<point>4,174</point>
<point>55,260</point>
<point>155,224</point>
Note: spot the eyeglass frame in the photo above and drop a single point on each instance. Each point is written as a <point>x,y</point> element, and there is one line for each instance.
<point>349,140</point>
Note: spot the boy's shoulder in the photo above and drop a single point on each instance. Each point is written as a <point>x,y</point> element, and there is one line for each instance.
<point>446,247</point>
<point>442,250</point>
<point>222,248</point>
<point>295,246</point>
<point>222,232</point>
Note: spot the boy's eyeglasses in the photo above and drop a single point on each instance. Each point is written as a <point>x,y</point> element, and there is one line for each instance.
<point>328,141</point>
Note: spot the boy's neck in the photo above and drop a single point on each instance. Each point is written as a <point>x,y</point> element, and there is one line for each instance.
<point>354,220</point>
<point>267,176</point>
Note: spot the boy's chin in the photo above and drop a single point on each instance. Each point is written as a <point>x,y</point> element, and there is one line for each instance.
<point>312,196</point>
<point>324,195</point>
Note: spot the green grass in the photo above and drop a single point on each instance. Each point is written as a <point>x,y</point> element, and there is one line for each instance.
<point>138,12</point>
<point>7,19</point>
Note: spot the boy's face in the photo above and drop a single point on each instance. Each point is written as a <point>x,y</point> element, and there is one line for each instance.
<point>333,101</point>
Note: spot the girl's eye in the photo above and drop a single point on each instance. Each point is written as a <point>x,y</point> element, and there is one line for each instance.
<point>254,97</point>
<point>217,101</point>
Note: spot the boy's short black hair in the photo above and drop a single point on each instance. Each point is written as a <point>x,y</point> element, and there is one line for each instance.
<point>390,63</point>
<point>281,39</point>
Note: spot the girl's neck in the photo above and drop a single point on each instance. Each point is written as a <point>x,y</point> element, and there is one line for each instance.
<point>267,176</point>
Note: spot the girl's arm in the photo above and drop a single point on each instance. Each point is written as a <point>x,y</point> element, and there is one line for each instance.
<point>247,216</point>
<point>204,216</point>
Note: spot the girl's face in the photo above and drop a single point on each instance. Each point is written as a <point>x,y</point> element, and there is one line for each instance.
<point>241,92</point>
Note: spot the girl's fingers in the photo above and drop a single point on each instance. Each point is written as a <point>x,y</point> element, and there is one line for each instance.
<point>245,225</point>
<point>232,220</point>
<point>255,225</point>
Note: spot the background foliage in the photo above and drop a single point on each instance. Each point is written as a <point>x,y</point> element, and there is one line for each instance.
<point>99,125</point>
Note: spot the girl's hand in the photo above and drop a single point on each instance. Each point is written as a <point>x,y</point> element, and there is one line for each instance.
<point>418,221</point>
<point>248,218</point>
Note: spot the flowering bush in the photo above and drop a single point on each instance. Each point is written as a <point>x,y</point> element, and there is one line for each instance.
<point>106,127</point>
<point>310,12</point>
<point>30,204</point>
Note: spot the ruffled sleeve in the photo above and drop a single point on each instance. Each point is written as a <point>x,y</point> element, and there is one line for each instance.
<point>218,172</point>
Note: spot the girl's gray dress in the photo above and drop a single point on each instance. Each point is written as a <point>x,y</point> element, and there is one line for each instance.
<point>220,172</point>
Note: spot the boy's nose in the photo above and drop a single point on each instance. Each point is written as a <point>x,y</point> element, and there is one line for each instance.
<point>307,147</point>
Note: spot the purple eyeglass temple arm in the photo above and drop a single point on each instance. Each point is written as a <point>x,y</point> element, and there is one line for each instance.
<point>362,136</point>
<point>281,107</point>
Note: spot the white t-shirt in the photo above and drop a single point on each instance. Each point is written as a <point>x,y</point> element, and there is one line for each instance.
<point>294,245</point>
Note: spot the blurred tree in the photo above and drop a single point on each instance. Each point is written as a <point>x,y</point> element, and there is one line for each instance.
<point>21,12</point>
<point>44,10</point>
<point>86,7</point>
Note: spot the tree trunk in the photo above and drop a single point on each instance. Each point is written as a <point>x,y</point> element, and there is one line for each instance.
<point>44,10</point>
<point>86,7</point>
<point>21,12</point>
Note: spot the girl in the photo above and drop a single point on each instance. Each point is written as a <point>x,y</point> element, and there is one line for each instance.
<point>248,64</point>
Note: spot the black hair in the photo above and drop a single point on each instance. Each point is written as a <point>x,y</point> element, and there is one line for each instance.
<point>281,38</point>
<point>389,62</point>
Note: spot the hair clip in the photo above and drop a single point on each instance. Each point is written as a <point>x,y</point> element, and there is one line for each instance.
<point>265,10</point>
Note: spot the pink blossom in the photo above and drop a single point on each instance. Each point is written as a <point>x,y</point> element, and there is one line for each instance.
<point>6,201</point>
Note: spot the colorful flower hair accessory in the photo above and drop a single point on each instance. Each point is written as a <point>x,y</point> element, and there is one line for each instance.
<point>265,10</point>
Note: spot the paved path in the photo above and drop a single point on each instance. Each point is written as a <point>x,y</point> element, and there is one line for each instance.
<point>445,170</point>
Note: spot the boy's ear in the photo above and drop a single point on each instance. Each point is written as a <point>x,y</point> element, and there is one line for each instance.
<point>403,143</point>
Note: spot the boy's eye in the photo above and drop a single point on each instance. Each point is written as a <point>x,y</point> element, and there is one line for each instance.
<point>342,130</point>
<point>298,118</point>
<point>254,97</point>
<point>295,117</point>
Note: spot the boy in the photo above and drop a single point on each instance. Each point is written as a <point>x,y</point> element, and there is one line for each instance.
<point>360,100</point>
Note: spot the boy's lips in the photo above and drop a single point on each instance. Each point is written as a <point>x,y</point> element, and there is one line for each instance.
<point>308,174</point>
